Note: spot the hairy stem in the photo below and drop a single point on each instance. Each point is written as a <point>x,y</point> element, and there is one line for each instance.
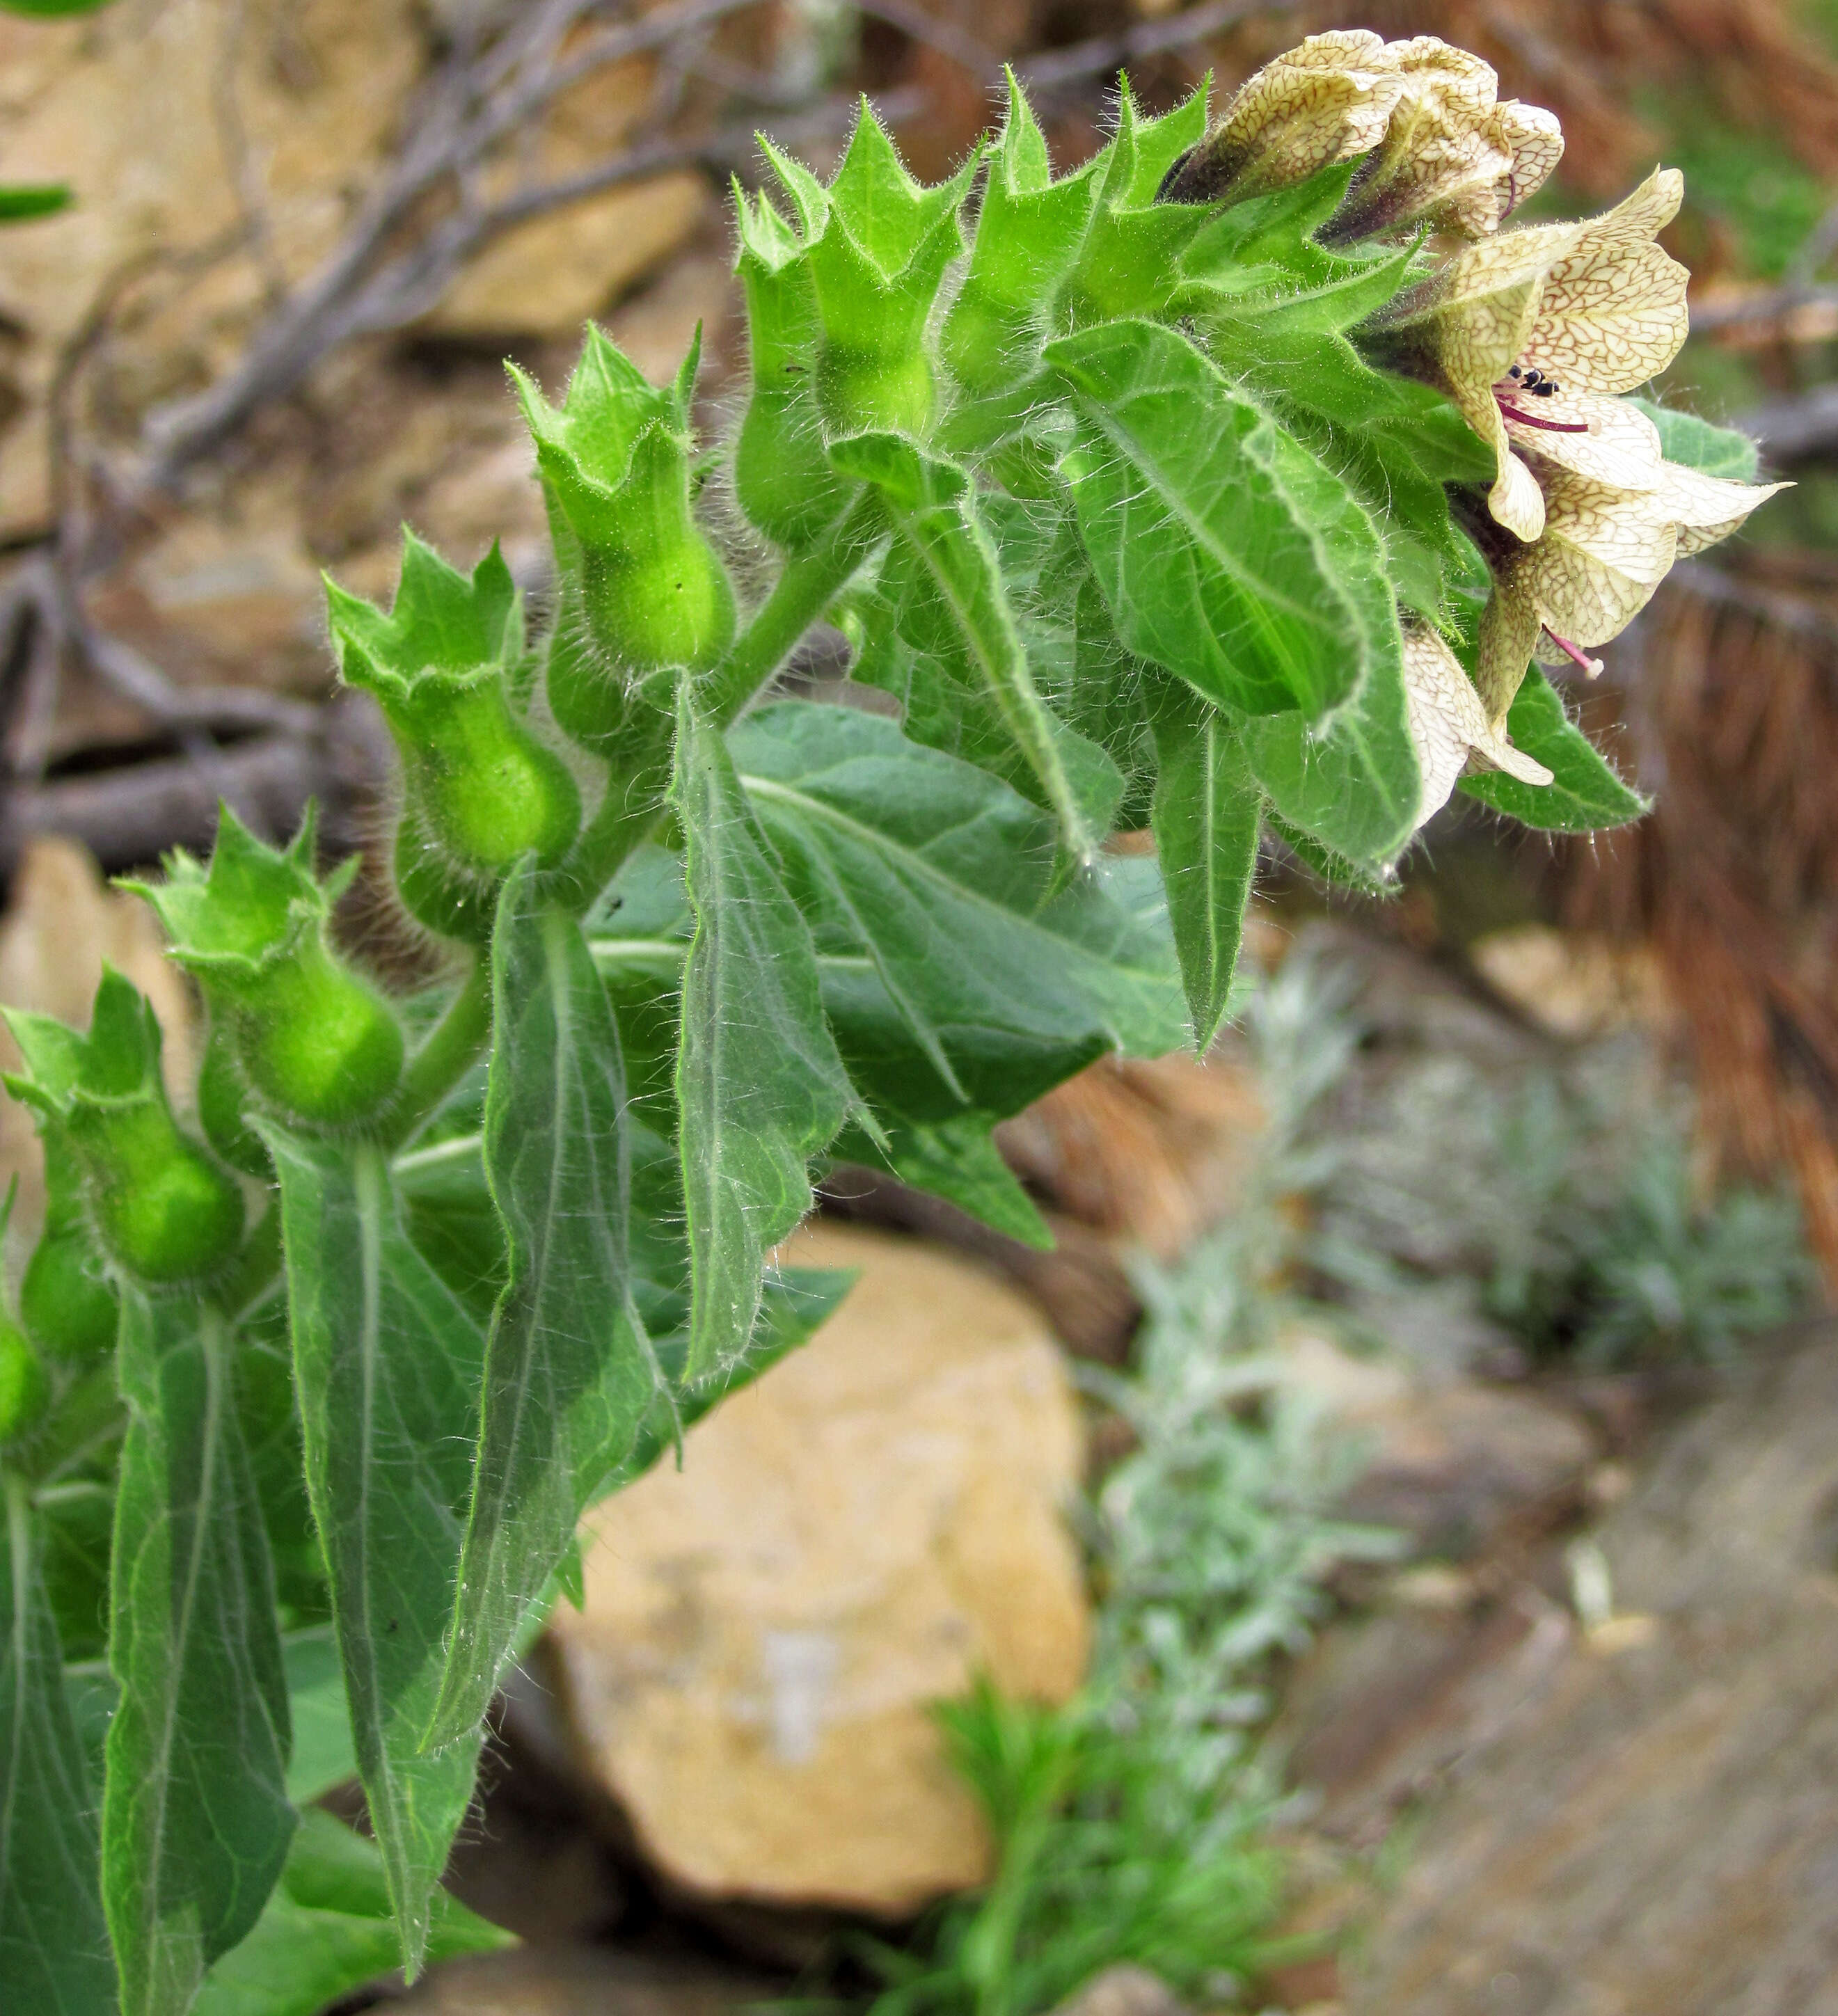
<point>634,800</point>
<point>457,1043</point>
<point>809,585</point>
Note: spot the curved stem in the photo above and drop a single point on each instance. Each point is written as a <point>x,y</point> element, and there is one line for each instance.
<point>803,592</point>
<point>634,801</point>
<point>457,1043</point>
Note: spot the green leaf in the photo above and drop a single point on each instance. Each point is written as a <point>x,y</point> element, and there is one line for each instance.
<point>387,1364</point>
<point>1225,551</point>
<point>941,877</point>
<point>957,1160</point>
<point>325,1751</point>
<point>1207,809</point>
<point>915,651</point>
<point>760,1088</point>
<point>196,1820</point>
<point>1585,796</point>
<point>1698,444</point>
<point>54,1946</point>
<point>1356,787</point>
<point>934,507</point>
<point>1334,870</point>
<point>328,1931</point>
<point>569,1369</point>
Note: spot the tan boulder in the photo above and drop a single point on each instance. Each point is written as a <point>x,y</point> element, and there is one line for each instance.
<point>851,1539</point>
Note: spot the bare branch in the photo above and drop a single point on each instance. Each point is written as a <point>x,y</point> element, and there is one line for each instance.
<point>1100,53</point>
<point>1795,429</point>
<point>1796,314</point>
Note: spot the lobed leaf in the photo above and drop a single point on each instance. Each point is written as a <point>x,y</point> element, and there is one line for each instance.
<point>569,1370</point>
<point>1585,794</point>
<point>760,1088</point>
<point>1225,551</point>
<point>935,509</point>
<point>1355,788</point>
<point>387,1364</point>
<point>329,1929</point>
<point>54,1946</point>
<point>196,1820</point>
<point>941,877</point>
<point>1208,810</point>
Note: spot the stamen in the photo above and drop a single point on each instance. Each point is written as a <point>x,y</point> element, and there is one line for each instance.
<point>1532,420</point>
<point>1590,667</point>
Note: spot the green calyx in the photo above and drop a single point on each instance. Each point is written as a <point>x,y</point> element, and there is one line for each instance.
<point>782,479</point>
<point>873,245</point>
<point>483,790</point>
<point>25,1387</point>
<point>65,1301</point>
<point>1049,257</point>
<point>317,1043</point>
<point>615,458</point>
<point>162,1208</point>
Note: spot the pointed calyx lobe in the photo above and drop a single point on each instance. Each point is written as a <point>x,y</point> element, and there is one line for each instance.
<point>164,1210</point>
<point>615,458</point>
<point>481,790</point>
<point>1049,257</point>
<point>848,296</point>
<point>317,1043</point>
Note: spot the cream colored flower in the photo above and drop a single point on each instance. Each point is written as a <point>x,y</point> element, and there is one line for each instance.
<point>1589,308</point>
<point>1450,729</point>
<point>1603,551</point>
<point>1327,100</point>
<point>1453,157</point>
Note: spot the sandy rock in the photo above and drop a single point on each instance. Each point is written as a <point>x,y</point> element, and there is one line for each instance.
<point>547,276</point>
<point>1449,1463</point>
<point>583,1981</point>
<point>61,923</point>
<point>849,1540</point>
<point>128,106</point>
<point>1124,1990</point>
<point>1640,1816</point>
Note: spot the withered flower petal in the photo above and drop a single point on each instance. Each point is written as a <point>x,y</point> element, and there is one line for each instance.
<point>1327,100</point>
<point>1450,729</point>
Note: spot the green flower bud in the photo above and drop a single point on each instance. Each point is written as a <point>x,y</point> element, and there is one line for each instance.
<point>315,1042</point>
<point>649,588</point>
<point>783,479</point>
<point>876,245</point>
<point>1050,256</point>
<point>66,1303</point>
<point>455,906</point>
<point>25,1388</point>
<point>64,1300</point>
<point>223,1095</point>
<point>482,790</point>
<point>162,1208</point>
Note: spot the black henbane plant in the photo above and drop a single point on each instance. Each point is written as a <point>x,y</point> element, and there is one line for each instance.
<point>1223,486</point>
